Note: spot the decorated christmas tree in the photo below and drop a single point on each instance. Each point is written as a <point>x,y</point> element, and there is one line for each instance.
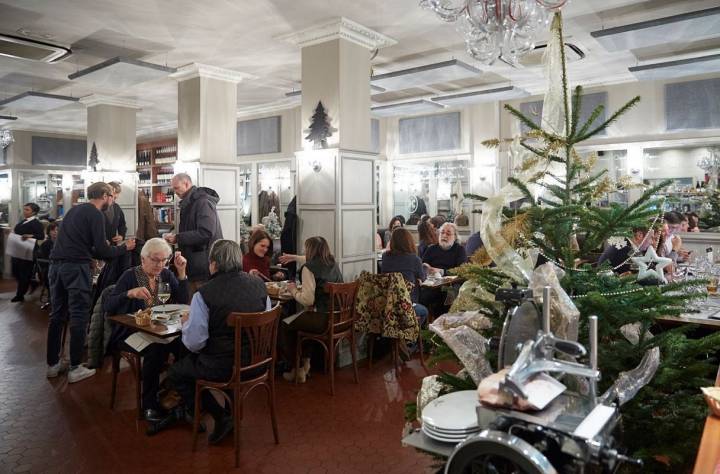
<point>93,161</point>
<point>561,224</point>
<point>320,129</point>
<point>272,224</point>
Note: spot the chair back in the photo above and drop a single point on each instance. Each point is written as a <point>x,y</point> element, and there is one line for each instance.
<point>341,315</point>
<point>259,341</point>
<point>384,306</point>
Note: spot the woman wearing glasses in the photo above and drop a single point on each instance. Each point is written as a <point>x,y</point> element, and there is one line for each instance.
<point>137,289</point>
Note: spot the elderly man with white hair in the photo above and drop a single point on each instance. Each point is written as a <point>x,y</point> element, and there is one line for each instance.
<point>137,289</point>
<point>447,253</point>
<point>438,259</point>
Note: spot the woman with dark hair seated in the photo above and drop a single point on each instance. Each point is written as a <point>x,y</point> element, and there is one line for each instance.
<point>426,236</point>
<point>137,289</point>
<point>29,228</point>
<point>257,261</point>
<point>402,258</point>
<point>395,223</point>
<point>318,267</point>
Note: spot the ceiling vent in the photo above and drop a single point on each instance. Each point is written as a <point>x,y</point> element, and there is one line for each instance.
<point>535,57</point>
<point>33,50</point>
<point>683,28</point>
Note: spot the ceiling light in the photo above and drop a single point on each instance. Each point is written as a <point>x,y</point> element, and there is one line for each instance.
<point>6,138</point>
<point>37,101</point>
<point>488,95</point>
<point>682,28</point>
<point>406,108</point>
<point>677,68</point>
<point>7,118</point>
<point>436,73</point>
<point>122,72</point>
<point>496,28</point>
<point>30,49</point>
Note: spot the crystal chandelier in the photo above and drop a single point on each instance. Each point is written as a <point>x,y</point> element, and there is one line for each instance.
<point>496,28</point>
<point>6,138</point>
<point>711,164</point>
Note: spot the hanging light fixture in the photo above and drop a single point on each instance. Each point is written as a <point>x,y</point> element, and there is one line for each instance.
<point>6,138</point>
<point>496,28</point>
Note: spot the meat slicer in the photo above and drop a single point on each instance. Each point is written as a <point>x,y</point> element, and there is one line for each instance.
<point>572,434</point>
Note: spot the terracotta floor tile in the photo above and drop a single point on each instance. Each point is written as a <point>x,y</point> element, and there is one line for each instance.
<point>50,426</point>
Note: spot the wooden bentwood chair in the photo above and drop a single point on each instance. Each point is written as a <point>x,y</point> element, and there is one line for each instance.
<point>260,331</point>
<point>341,319</point>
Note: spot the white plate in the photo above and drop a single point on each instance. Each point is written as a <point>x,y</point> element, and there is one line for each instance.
<point>453,412</point>
<point>451,432</point>
<point>444,439</point>
<point>169,308</point>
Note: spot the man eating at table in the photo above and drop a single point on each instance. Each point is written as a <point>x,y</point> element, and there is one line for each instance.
<point>137,289</point>
<point>438,259</point>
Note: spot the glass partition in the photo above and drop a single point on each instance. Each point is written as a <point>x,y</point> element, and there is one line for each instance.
<point>5,197</point>
<point>430,188</point>
<point>616,164</point>
<point>276,185</point>
<point>246,194</point>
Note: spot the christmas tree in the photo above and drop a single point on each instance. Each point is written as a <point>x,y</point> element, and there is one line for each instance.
<point>562,224</point>
<point>320,129</point>
<point>272,224</point>
<point>93,161</point>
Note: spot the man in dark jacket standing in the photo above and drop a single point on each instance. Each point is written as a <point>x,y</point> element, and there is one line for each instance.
<point>81,238</point>
<point>199,226</point>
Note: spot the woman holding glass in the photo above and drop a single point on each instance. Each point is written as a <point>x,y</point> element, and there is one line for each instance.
<point>145,286</point>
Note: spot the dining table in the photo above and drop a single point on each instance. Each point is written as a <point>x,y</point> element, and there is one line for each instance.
<point>159,329</point>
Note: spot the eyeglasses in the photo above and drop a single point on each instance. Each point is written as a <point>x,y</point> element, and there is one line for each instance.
<point>159,261</point>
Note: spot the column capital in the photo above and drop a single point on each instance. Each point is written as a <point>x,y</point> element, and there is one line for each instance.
<point>98,99</point>
<point>339,28</point>
<point>194,70</point>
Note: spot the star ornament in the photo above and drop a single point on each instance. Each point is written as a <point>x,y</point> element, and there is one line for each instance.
<point>651,267</point>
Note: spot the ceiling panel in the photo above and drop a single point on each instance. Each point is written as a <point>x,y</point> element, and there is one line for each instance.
<point>679,68</point>
<point>121,73</point>
<point>406,108</point>
<point>488,95</point>
<point>423,75</point>
<point>685,27</point>
<point>37,101</point>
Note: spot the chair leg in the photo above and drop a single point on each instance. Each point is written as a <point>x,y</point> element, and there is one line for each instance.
<point>196,418</point>
<point>115,370</point>
<point>331,357</point>
<point>138,385</point>
<point>237,416</point>
<point>353,350</point>
<point>271,400</point>
<point>298,355</point>
<point>396,356</point>
<point>370,346</point>
<point>422,355</point>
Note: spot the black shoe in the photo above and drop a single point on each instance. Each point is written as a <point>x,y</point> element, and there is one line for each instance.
<point>18,299</point>
<point>153,415</point>
<point>223,427</point>
<point>156,427</point>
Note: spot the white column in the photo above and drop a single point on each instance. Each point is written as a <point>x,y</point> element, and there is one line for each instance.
<point>336,186</point>
<point>207,136</point>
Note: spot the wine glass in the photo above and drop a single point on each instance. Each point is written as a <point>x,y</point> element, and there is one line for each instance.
<point>163,293</point>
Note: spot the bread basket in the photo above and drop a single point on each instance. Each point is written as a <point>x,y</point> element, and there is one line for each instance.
<point>712,397</point>
<point>272,288</point>
<point>143,318</point>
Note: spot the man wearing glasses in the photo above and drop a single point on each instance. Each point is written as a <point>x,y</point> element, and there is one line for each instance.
<point>81,238</point>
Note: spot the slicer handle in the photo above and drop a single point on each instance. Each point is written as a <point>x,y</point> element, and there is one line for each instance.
<point>570,348</point>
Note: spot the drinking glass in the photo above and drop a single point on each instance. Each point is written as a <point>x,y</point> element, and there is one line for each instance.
<point>163,293</point>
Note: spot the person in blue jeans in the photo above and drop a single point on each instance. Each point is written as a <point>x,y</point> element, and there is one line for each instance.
<point>402,257</point>
<point>81,238</point>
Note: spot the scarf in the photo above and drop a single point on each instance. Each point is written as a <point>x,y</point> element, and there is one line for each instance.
<point>143,280</point>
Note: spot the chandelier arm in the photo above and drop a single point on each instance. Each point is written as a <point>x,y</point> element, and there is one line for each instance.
<point>550,4</point>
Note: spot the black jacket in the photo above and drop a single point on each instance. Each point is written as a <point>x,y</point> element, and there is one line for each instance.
<point>288,236</point>
<point>115,225</point>
<point>199,228</point>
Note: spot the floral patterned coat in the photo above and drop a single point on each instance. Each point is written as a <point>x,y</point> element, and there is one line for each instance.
<point>383,306</point>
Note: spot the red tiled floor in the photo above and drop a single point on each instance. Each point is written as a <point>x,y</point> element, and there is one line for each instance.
<point>50,426</point>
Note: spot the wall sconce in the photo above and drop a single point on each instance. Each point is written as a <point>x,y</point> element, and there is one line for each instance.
<point>635,171</point>
<point>316,166</point>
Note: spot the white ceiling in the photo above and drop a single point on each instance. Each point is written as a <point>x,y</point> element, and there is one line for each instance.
<point>242,35</point>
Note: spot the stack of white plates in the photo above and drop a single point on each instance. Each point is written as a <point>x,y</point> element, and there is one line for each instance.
<point>451,418</point>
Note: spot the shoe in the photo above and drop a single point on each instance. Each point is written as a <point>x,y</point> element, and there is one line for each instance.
<point>300,377</point>
<point>45,306</point>
<point>152,415</point>
<point>79,373</point>
<point>55,370</point>
<point>17,299</point>
<point>306,366</point>
<point>223,427</point>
